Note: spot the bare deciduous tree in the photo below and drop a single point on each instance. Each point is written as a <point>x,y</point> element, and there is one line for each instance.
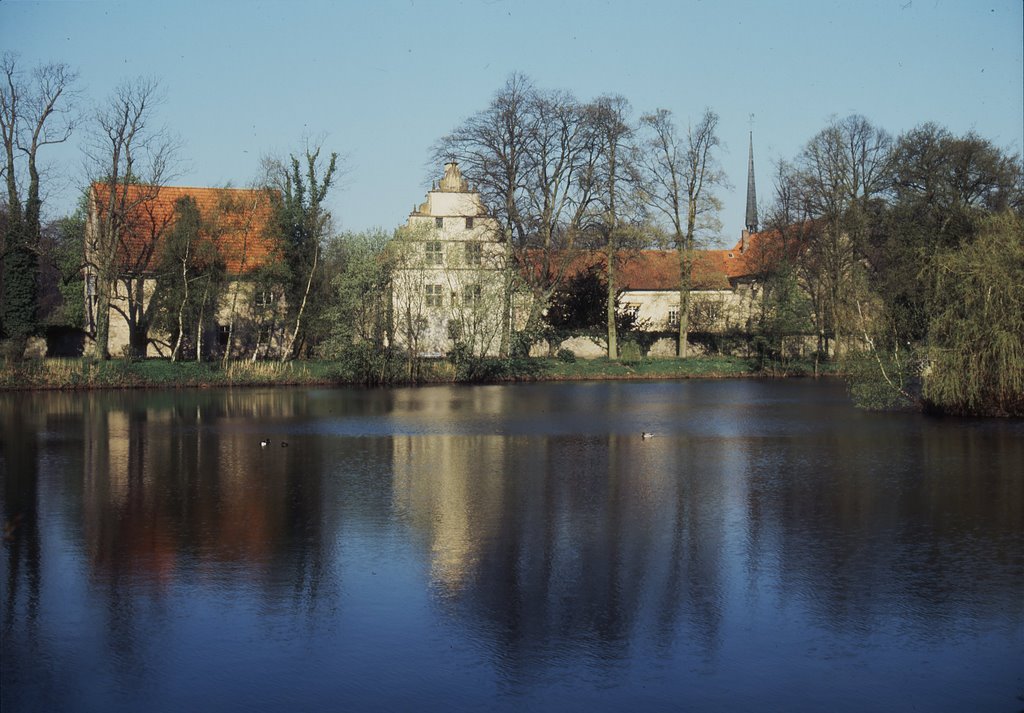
<point>841,171</point>
<point>610,120</point>
<point>128,160</point>
<point>35,111</point>
<point>531,154</point>
<point>681,175</point>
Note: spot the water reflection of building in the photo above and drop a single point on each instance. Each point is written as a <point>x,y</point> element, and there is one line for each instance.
<point>456,506</point>
<point>548,543</point>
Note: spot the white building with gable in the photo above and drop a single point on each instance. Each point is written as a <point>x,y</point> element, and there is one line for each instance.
<point>448,285</point>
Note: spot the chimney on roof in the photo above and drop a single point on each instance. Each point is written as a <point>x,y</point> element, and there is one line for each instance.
<point>744,234</point>
<point>751,221</point>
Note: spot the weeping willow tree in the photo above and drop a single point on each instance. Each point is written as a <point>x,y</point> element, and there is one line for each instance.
<point>976,330</point>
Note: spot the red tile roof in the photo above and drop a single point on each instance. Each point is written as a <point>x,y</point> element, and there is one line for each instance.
<point>234,219</point>
<point>659,269</point>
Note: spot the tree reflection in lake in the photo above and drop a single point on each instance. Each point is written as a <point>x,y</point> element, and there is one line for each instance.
<point>507,547</point>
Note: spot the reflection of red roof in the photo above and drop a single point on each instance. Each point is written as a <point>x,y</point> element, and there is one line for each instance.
<point>659,269</point>
<point>234,219</point>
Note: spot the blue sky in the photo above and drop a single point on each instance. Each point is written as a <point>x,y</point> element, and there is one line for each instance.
<point>381,81</point>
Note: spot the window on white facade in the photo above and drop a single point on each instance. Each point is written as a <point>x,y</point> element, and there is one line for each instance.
<point>263,298</point>
<point>673,318</point>
<point>471,295</point>
<point>438,222</point>
<point>433,295</point>
<point>469,223</point>
<point>435,252</point>
<point>474,253</point>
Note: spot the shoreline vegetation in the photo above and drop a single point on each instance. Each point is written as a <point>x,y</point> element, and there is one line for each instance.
<point>86,374</point>
<point>899,260</point>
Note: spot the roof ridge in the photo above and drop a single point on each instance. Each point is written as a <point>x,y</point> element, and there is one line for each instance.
<point>189,188</point>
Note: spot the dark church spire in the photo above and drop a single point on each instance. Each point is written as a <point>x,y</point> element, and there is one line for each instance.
<point>751,221</point>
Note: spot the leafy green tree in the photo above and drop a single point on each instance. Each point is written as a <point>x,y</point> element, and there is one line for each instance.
<point>62,299</point>
<point>784,319</point>
<point>303,223</point>
<point>942,188</point>
<point>579,304</point>
<point>266,309</point>
<point>191,278</point>
<point>360,266</point>
<point>976,326</point>
<point>579,307</point>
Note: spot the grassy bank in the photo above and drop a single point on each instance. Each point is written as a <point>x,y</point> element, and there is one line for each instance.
<point>160,373</point>
<point>695,367</point>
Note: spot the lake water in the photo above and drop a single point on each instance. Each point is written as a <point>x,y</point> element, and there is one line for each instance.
<point>508,548</point>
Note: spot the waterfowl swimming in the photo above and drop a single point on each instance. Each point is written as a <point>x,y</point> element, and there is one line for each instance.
<point>284,444</point>
<point>264,443</point>
<point>646,434</point>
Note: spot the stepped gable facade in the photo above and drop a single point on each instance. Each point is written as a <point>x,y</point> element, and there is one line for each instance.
<point>447,285</point>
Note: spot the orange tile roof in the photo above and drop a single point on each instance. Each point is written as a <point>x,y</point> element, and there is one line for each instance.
<point>765,250</point>
<point>659,269</point>
<point>235,219</point>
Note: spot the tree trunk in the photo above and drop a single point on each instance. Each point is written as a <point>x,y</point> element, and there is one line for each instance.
<point>101,345</point>
<point>286,353</point>
<point>181,309</point>
<point>613,337</point>
<point>199,322</point>
<point>231,323</point>
<point>504,343</point>
<point>685,267</point>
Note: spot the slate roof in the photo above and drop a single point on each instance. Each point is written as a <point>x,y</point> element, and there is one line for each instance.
<point>235,219</point>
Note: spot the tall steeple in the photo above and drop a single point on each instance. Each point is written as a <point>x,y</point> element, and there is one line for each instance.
<point>751,221</point>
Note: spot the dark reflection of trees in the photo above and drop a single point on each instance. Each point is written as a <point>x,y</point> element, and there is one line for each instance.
<point>21,582</point>
<point>553,548</point>
<point>159,489</point>
<point>178,489</point>
<point>169,492</point>
<point>899,518</point>
<point>20,468</point>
